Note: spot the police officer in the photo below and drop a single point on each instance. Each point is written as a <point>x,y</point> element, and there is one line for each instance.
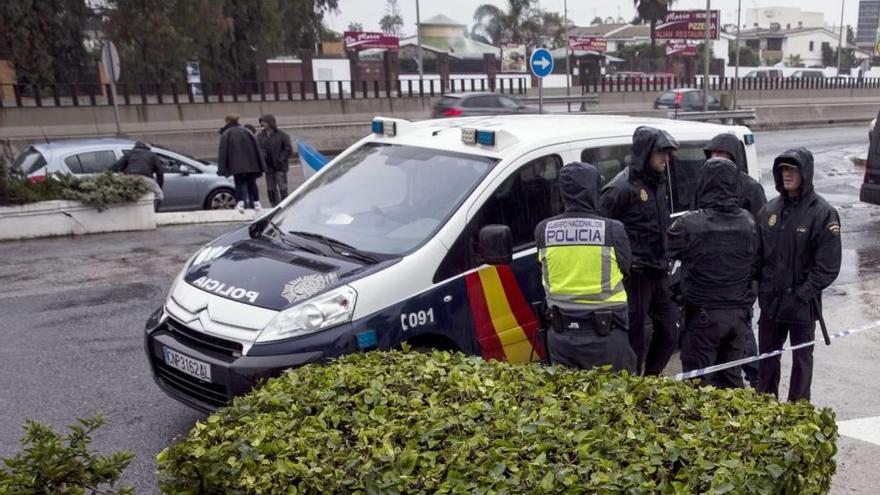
<point>752,199</point>
<point>584,259</point>
<point>714,243</point>
<point>800,237</point>
<point>638,198</point>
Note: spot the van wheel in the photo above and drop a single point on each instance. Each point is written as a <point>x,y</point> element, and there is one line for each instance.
<point>221,199</point>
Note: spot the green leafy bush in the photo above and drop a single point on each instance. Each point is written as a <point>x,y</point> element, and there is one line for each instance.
<point>98,191</point>
<point>392,422</point>
<point>64,465</point>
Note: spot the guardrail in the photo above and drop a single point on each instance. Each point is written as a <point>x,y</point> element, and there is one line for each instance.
<point>727,116</point>
<point>582,99</point>
<point>611,84</point>
<point>94,94</point>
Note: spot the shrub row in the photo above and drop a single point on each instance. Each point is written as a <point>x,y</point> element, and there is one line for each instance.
<point>403,422</point>
<point>98,191</point>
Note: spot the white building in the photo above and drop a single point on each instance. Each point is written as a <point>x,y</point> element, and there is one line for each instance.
<point>782,18</point>
<point>777,45</point>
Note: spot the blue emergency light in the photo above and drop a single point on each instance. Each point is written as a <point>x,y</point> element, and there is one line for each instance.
<point>384,127</point>
<point>470,135</point>
<point>378,127</point>
<point>749,139</point>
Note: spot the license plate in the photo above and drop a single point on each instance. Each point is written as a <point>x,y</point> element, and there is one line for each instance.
<point>186,364</point>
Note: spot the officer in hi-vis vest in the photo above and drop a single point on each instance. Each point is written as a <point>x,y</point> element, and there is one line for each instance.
<point>584,258</point>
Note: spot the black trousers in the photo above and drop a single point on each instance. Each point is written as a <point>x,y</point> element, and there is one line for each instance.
<point>246,190</point>
<point>715,336</point>
<point>771,337</point>
<point>648,296</point>
<point>584,348</point>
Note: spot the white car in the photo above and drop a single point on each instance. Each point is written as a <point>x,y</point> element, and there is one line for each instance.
<point>386,244</point>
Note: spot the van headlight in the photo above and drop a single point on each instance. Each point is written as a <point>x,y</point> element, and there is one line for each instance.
<point>327,310</point>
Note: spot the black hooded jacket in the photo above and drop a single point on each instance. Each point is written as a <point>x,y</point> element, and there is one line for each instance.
<point>638,197</point>
<point>800,239</point>
<point>140,161</point>
<point>275,145</point>
<point>239,152</point>
<point>751,192</point>
<point>716,243</point>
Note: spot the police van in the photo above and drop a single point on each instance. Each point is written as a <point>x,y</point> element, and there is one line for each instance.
<point>421,232</point>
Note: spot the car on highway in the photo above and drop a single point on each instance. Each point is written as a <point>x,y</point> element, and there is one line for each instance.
<point>685,99</point>
<point>807,74</point>
<point>190,184</point>
<point>422,232</point>
<point>870,190</point>
<point>632,76</point>
<point>478,103</point>
<point>764,74</point>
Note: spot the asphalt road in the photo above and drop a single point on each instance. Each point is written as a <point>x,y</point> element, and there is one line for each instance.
<point>73,311</point>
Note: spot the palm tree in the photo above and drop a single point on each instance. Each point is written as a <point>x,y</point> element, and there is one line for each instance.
<point>651,11</point>
<point>494,24</point>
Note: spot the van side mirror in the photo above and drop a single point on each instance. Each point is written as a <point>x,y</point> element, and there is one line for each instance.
<point>496,244</point>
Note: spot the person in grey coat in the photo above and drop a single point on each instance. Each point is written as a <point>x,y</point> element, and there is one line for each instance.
<point>240,157</point>
<point>277,151</point>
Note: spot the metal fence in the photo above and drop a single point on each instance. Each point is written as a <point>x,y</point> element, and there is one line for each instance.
<point>628,84</point>
<point>76,95</point>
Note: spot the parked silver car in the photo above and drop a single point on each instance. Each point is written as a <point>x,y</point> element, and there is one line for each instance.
<point>190,184</point>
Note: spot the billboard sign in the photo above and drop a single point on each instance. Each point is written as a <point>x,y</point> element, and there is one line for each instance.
<point>687,25</point>
<point>681,49</point>
<point>362,40</point>
<point>513,57</point>
<point>589,43</point>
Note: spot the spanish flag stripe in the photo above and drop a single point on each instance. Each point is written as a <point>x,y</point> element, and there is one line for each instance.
<point>511,335</point>
<point>487,338</point>
<point>521,310</point>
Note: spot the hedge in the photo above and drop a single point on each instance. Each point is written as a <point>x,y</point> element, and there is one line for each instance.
<point>99,190</point>
<point>405,422</point>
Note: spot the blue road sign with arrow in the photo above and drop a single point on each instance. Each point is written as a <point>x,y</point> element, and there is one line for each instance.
<point>541,62</point>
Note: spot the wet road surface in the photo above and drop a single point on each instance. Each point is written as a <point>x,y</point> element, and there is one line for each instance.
<point>73,311</point>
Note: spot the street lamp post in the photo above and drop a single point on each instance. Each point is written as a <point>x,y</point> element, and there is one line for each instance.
<point>567,56</point>
<point>840,41</point>
<point>736,45</point>
<point>419,44</point>
<point>706,58</point>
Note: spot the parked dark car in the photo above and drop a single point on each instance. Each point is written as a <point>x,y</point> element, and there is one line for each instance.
<point>471,104</point>
<point>685,100</point>
<point>870,192</point>
<point>807,74</point>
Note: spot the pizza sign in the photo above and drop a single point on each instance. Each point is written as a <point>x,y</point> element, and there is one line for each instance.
<point>687,25</point>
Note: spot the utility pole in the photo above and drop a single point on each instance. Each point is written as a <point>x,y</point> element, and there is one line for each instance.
<point>567,56</point>
<point>419,42</point>
<point>706,50</point>
<point>736,45</point>
<point>840,41</point>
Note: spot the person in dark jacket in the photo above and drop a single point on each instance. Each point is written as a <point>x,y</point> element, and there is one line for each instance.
<point>714,243</point>
<point>588,305</point>
<point>277,151</point>
<point>638,198</point>
<point>800,238</point>
<point>143,162</point>
<point>752,199</point>
<point>240,157</point>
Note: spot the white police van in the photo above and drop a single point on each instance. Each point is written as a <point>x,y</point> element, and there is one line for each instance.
<point>384,245</point>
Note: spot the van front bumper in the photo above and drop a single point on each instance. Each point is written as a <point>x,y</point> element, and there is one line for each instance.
<point>870,193</point>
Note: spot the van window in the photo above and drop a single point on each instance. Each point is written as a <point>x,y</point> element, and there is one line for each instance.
<point>521,202</point>
<point>610,160</point>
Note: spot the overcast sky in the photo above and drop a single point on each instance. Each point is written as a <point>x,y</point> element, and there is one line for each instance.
<point>368,12</point>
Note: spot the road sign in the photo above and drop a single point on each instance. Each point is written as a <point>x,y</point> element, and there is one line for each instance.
<point>110,60</point>
<point>541,62</point>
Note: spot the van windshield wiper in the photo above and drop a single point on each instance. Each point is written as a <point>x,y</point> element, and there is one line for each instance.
<point>287,240</point>
<point>338,246</point>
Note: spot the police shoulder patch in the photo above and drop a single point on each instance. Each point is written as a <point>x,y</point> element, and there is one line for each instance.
<point>834,227</point>
<point>643,195</point>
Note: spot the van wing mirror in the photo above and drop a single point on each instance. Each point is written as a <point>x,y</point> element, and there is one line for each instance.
<point>496,244</point>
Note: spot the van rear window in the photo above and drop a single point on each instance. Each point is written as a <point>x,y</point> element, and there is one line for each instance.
<point>29,161</point>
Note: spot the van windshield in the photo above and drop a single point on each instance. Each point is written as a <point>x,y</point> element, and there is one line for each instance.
<point>384,199</point>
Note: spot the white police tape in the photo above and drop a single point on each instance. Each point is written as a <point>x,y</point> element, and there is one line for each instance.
<point>730,364</point>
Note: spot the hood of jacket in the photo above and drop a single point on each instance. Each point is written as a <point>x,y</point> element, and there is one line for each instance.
<point>580,184</point>
<point>803,160</point>
<point>141,145</point>
<point>645,141</point>
<point>228,126</point>
<point>269,119</point>
<point>717,184</point>
<point>727,143</point>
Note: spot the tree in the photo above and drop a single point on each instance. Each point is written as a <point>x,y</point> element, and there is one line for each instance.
<point>303,22</point>
<point>44,39</point>
<point>496,24</point>
<point>747,56</point>
<point>652,11</point>
<point>392,22</point>
<point>597,21</point>
<point>794,60</point>
<point>355,26</point>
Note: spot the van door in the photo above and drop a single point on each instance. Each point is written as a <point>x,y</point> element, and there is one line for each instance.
<point>498,303</point>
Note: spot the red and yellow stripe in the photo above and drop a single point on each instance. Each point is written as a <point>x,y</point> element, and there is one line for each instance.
<point>504,322</point>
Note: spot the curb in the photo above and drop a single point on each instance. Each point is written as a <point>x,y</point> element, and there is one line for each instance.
<point>204,216</point>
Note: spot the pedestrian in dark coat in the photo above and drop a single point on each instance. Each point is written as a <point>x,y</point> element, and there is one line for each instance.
<point>718,246</point>
<point>638,198</point>
<point>752,199</point>
<point>141,161</point>
<point>277,151</point>
<point>800,238</point>
<point>240,157</point>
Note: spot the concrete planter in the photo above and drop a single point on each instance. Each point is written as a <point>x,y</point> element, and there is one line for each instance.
<point>54,218</point>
